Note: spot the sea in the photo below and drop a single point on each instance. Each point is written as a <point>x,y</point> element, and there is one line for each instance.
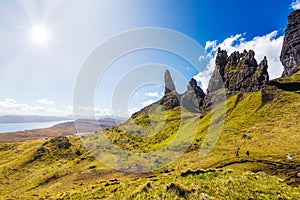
<point>13,127</point>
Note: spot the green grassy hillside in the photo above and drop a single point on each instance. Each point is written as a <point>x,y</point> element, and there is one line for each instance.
<point>265,123</point>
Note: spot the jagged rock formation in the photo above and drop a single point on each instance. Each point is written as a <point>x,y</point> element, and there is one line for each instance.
<point>290,54</point>
<point>238,72</point>
<point>192,99</point>
<point>171,98</point>
<point>170,101</point>
<point>216,80</point>
<point>169,84</point>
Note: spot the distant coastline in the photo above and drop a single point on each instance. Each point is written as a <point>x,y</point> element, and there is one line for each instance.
<point>14,127</point>
<point>16,132</point>
<point>31,118</point>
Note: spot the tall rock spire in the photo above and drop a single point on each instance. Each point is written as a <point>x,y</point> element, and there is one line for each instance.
<point>216,81</point>
<point>169,84</point>
<point>171,98</point>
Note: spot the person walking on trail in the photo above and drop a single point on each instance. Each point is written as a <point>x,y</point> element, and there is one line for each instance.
<point>247,154</point>
<point>237,152</point>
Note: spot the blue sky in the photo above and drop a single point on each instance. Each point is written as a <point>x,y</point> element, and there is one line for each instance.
<point>38,75</point>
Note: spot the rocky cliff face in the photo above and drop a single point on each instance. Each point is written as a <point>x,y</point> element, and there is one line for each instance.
<point>216,81</point>
<point>290,54</point>
<point>192,99</point>
<point>238,72</point>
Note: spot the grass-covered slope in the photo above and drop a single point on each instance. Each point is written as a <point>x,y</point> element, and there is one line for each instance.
<point>265,123</point>
<point>290,83</point>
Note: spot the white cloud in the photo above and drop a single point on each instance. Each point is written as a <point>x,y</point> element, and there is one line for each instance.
<point>148,102</point>
<point>89,112</point>
<point>210,44</point>
<point>132,110</point>
<point>204,76</point>
<point>296,5</point>
<point>201,58</point>
<point>267,45</point>
<point>152,94</point>
<point>45,102</point>
<point>70,107</point>
<point>125,112</point>
<point>12,107</point>
<point>83,111</point>
<point>103,111</point>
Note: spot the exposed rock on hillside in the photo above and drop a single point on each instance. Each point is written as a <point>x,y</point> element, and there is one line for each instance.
<point>216,80</point>
<point>192,99</point>
<point>169,84</point>
<point>290,54</point>
<point>60,142</point>
<point>290,83</point>
<point>171,98</point>
<point>238,72</point>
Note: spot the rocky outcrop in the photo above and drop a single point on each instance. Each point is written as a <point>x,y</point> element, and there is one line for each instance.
<point>169,84</point>
<point>60,142</point>
<point>170,101</point>
<point>171,98</point>
<point>216,81</point>
<point>192,99</point>
<point>290,53</point>
<point>238,73</point>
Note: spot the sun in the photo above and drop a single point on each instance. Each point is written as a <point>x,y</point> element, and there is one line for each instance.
<point>39,34</point>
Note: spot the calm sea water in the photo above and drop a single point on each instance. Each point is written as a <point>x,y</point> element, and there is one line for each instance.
<point>13,127</point>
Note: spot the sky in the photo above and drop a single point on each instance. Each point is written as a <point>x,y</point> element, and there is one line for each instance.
<point>45,43</point>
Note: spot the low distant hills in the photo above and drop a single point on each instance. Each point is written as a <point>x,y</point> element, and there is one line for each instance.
<point>31,118</point>
<point>62,129</point>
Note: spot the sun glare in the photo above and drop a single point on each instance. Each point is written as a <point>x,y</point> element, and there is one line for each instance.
<point>39,35</point>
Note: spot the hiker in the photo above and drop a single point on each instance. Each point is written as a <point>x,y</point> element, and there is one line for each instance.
<point>244,137</point>
<point>247,154</point>
<point>289,156</point>
<point>237,152</point>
